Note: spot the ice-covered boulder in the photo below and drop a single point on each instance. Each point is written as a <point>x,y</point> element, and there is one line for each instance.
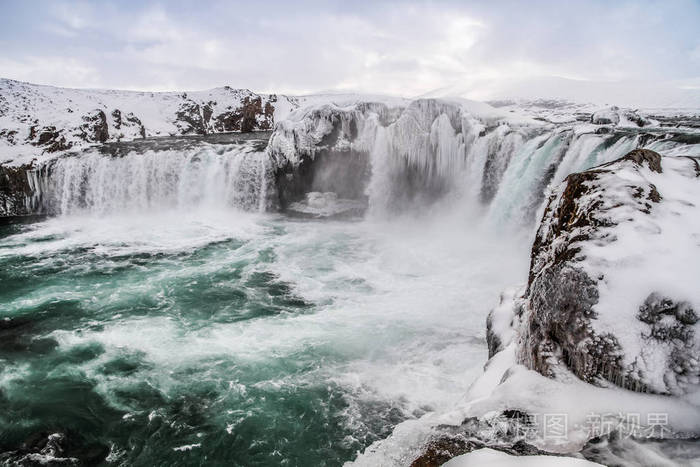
<point>613,290</point>
<point>325,148</point>
<point>609,116</point>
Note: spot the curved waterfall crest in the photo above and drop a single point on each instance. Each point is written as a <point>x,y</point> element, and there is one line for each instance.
<point>431,147</point>
<point>389,157</point>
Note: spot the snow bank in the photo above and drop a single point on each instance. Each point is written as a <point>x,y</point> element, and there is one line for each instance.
<point>490,458</point>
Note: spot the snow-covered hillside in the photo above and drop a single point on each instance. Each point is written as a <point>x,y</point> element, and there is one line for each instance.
<point>36,120</point>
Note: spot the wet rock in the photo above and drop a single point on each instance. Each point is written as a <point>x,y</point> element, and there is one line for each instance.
<point>506,433</point>
<point>16,193</point>
<point>48,448</point>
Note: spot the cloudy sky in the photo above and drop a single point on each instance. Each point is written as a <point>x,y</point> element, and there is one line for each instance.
<point>403,48</point>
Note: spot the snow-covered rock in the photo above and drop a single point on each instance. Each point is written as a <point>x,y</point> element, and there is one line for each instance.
<point>607,116</point>
<point>603,340</point>
<point>486,457</point>
<point>622,117</point>
<point>612,291</point>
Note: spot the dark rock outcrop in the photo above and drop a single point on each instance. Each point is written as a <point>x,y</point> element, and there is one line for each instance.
<point>49,138</point>
<point>95,129</point>
<point>250,116</point>
<point>507,433</point>
<point>56,449</point>
<point>16,193</point>
<point>128,121</point>
<point>190,120</point>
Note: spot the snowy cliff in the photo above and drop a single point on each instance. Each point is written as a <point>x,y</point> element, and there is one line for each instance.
<point>613,290</point>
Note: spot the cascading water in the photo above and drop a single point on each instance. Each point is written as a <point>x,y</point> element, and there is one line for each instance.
<point>235,176</point>
<point>433,149</point>
<point>167,323</point>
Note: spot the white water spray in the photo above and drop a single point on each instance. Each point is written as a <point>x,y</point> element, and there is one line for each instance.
<point>232,177</point>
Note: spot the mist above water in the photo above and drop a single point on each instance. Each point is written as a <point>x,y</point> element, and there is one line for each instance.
<point>307,339</point>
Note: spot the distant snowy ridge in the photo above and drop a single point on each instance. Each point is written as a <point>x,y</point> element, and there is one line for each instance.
<point>683,95</point>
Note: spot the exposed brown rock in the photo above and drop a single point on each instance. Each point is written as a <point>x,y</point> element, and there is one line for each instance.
<point>95,129</point>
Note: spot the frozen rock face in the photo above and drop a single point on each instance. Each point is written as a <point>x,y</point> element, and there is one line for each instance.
<point>36,120</point>
<point>615,116</point>
<point>393,156</point>
<point>606,117</point>
<point>325,149</point>
<point>17,192</point>
<point>612,292</point>
<point>407,155</point>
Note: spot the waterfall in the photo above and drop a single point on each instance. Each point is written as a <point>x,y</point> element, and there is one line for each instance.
<point>430,149</point>
<point>390,159</point>
<point>204,177</point>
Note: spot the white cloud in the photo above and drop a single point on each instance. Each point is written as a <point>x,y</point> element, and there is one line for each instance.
<point>396,48</point>
<point>61,71</point>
